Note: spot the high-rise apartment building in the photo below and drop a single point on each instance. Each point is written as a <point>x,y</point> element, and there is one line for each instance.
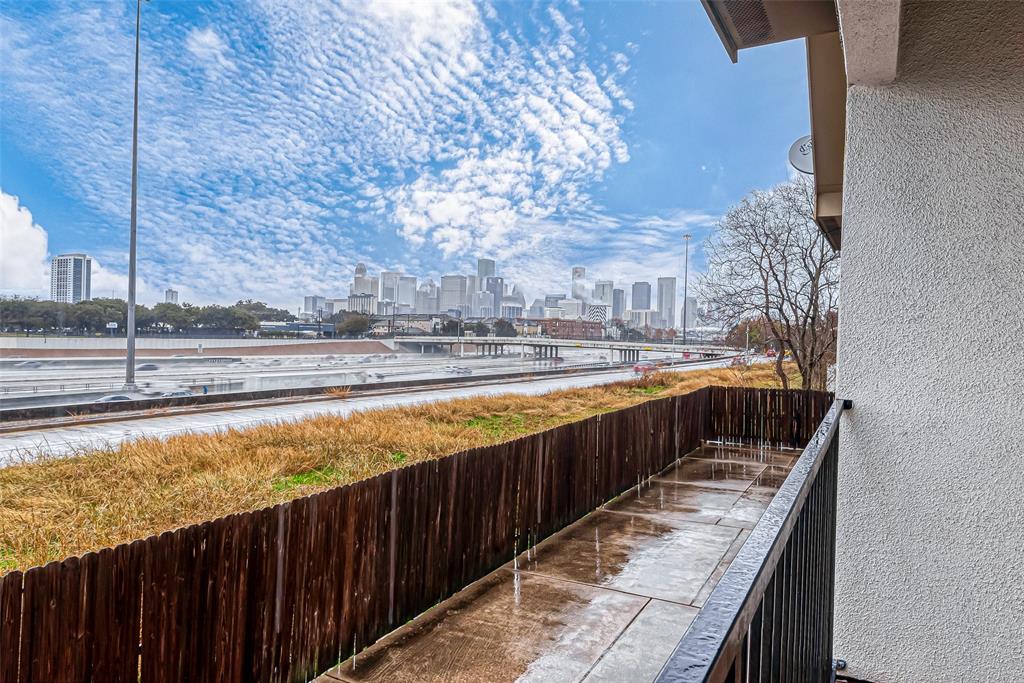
<point>579,286</point>
<point>641,296</point>
<point>603,292</point>
<point>484,270</point>
<point>618,303</point>
<point>170,296</point>
<point>453,293</point>
<point>667,302</point>
<point>71,278</point>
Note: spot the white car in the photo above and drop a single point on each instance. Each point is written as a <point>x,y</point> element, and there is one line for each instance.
<point>180,393</point>
<point>113,398</point>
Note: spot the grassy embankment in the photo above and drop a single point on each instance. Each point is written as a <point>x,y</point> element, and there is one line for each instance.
<point>53,508</point>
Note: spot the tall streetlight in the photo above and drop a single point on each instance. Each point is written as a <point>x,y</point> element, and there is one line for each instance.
<point>686,278</point>
<point>129,370</point>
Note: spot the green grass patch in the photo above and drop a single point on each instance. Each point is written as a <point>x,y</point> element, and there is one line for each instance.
<point>319,477</point>
<point>649,390</point>
<point>499,426</point>
<point>8,560</point>
<point>398,457</point>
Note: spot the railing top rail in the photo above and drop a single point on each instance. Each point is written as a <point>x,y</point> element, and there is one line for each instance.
<point>713,636</point>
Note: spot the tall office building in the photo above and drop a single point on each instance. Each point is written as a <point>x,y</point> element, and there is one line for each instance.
<point>71,278</point>
<point>513,304</point>
<point>571,308</point>
<point>597,312</point>
<point>482,305</point>
<point>427,298</point>
<point>618,303</point>
<point>407,291</point>
<point>603,292</point>
<point>551,300</point>
<point>170,296</point>
<point>495,286</point>
<point>312,304</point>
<point>667,302</point>
<point>361,303</point>
<point>689,313</point>
<point>453,293</point>
<point>641,296</point>
<point>363,283</point>
<point>389,285</point>
<point>484,270</point>
<point>579,285</point>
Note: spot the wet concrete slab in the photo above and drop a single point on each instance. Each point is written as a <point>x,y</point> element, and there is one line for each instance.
<point>746,454</point>
<point>607,598</point>
<point>653,558</point>
<point>639,653</point>
<point>676,502</point>
<point>509,626</point>
<point>723,474</point>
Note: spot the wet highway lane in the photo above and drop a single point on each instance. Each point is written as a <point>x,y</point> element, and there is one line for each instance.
<point>69,440</point>
<point>606,599</point>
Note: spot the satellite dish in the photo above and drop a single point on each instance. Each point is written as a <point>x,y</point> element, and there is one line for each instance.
<point>800,156</point>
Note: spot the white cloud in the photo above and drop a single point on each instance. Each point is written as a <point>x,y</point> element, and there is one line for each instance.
<point>426,129</point>
<point>209,48</point>
<point>25,264</point>
<point>22,250</point>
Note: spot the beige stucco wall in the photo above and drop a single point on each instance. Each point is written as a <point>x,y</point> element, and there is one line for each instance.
<point>930,575</point>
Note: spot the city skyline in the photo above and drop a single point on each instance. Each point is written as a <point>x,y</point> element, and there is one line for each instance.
<point>487,294</point>
<point>231,207</point>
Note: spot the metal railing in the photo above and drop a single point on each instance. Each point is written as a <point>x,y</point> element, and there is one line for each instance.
<point>770,617</point>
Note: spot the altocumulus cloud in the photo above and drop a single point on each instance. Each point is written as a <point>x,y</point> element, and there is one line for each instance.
<point>282,141</point>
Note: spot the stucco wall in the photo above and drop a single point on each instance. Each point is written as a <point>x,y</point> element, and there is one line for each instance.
<point>930,575</point>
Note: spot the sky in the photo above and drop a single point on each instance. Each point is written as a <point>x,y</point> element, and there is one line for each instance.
<point>280,142</point>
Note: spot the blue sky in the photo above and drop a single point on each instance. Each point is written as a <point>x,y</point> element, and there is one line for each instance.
<point>282,142</point>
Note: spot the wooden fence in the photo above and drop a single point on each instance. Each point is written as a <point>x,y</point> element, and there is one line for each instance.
<point>284,593</point>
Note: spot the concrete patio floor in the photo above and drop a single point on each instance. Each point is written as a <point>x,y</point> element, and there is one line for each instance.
<point>606,599</point>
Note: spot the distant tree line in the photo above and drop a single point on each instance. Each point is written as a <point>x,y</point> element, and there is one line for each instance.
<point>19,314</point>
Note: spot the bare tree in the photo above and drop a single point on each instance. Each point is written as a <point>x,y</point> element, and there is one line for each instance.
<point>768,261</point>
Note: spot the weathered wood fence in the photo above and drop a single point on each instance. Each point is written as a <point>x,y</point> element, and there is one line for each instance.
<point>284,593</point>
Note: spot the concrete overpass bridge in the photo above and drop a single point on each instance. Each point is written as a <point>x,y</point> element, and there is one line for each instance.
<point>545,347</point>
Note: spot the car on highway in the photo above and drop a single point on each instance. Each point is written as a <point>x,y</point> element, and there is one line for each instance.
<point>146,367</point>
<point>113,398</point>
<point>179,393</point>
<point>644,366</point>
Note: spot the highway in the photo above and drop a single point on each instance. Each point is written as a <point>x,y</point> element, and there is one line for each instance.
<point>56,381</point>
<point>60,441</point>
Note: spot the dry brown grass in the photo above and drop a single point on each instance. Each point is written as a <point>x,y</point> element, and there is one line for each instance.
<point>53,508</point>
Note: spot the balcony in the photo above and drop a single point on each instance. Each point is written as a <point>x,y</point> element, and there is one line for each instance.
<point>585,550</point>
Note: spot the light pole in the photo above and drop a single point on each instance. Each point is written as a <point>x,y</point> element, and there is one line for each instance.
<point>686,277</point>
<point>129,370</point>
